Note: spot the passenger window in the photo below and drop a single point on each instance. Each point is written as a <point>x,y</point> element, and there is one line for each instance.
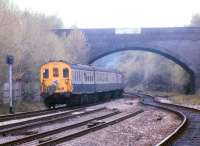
<point>65,73</point>
<point>79,76</point>
<point>85,76</point>
<point>46,74</point>
<point>76,76</point>
<point>55,72</point>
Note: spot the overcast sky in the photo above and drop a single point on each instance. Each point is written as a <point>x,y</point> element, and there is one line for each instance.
<point>116,13</point>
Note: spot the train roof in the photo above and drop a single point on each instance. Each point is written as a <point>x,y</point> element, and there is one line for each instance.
<point>85,67</point>
<point>91,68</point>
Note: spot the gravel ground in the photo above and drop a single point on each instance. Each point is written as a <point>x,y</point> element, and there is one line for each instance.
<point>124,104</point>
<point>145,129</point>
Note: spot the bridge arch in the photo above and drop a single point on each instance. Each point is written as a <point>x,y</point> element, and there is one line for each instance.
<point>174,59</point>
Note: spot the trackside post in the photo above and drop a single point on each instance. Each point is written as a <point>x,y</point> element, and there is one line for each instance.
<point>10,61</point>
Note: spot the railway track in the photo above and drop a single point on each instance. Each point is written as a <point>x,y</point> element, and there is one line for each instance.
<point>188,133</point>
<point>114,116</point>
<point>23,115</point>
<point>106,122</point>
<point>38,122</point>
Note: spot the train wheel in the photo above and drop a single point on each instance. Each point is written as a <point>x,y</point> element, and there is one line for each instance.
<point>78,100</point>
<point>66,103</point>
<point>46,103</point>
<point>54,106</point>
<point>121,93</point>
<point>84,99</point>
<point>49,102</point>
<point>112,95</point>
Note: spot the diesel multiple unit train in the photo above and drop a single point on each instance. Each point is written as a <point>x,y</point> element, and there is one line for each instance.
<point>75,84</point>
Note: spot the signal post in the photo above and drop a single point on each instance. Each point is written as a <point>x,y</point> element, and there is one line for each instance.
<point>10,61</point>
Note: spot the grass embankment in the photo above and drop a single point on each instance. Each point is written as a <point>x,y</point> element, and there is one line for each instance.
<point>186,99</point>
<point>179,98</point>
<point>23,106</point>
<point>175,97</point>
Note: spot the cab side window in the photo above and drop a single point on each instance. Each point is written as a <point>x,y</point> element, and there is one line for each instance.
<point>65,73</point>
<point>55,72</point>
<point>46,74</point>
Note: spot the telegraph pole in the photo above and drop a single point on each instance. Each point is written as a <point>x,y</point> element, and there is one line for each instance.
<point>10,61</point>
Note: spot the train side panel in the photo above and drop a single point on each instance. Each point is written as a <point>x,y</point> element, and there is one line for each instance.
<point>82,82</point>
<point>107,81</point>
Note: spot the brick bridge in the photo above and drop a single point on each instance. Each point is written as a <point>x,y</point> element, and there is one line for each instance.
<point>179,44</point>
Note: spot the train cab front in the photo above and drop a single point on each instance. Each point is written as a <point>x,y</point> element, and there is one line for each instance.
<point>56,85</point>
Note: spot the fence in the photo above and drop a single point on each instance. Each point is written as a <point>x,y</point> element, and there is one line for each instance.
<point>21,91</point>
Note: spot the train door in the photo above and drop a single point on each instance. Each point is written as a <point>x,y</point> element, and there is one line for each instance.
<point>44,79</point>
<point>66,79</point>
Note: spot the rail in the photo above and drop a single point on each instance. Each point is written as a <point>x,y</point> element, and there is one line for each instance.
<point>190,122</point>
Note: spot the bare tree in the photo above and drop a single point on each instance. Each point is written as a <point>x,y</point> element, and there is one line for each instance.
<point>195,20</point>
<point>148,71</point>
<point>76,47</point>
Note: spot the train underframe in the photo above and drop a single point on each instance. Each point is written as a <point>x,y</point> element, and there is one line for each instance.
<point>71,100</point>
